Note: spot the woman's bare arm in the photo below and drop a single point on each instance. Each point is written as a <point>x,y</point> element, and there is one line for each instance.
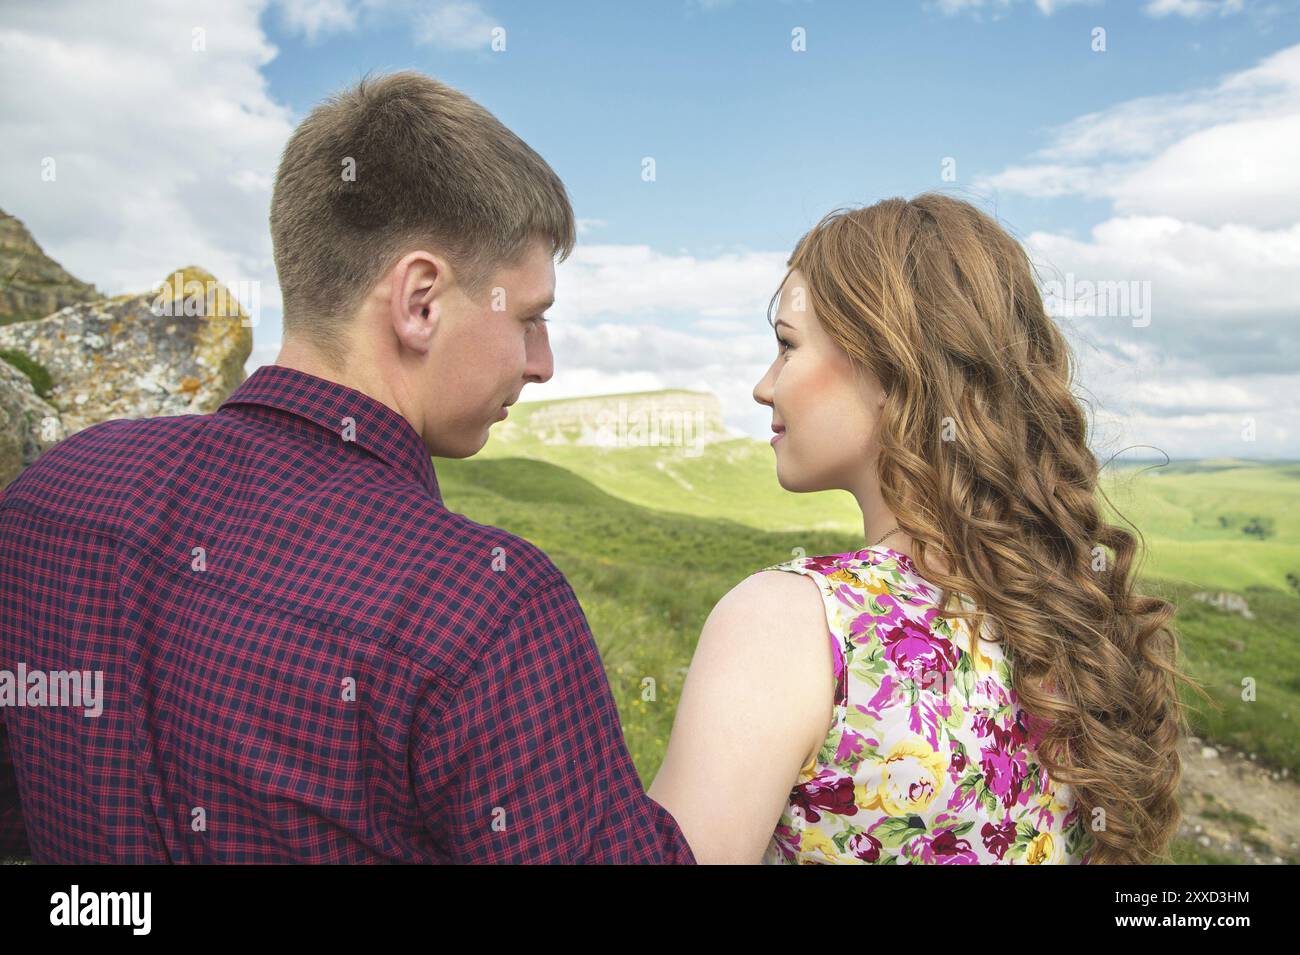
<point>757,702</point>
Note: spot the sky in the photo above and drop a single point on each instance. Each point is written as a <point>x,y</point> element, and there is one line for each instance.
<point>1150,144</point>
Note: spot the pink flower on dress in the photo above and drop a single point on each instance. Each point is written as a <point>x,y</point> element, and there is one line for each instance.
<point>827,790</point>
<point>823,564</point>
<point>957,763</point>
<point>851,745</point>
<point>1005,767</point>
<point>888,694</point>
<point>944,848</point>
<point>998,838</point>
<point>917,653</point>
<point>864,846</point>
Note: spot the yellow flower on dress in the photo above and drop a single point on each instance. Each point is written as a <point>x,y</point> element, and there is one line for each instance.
<point>812,839</point>
<point>877,586</point>
<point>961,636</point>
<point>1050,802</point>
<point>1042,850</point>
<point>979,659</point>
<point>842,576</point>
<point>911,776</point>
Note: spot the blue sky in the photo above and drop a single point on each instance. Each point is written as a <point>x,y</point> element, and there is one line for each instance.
<point>1171,157</point>
<point>752,141</point>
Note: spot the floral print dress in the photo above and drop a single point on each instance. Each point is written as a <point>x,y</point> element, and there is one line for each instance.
<point>930,760</point>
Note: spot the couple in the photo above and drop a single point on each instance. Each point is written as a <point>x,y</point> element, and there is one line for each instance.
<point>307,657</point>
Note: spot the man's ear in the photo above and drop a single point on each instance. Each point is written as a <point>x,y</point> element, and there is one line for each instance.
<point>419,284</point>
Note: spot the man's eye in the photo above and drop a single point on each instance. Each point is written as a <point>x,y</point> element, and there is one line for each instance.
<point>538,320</point>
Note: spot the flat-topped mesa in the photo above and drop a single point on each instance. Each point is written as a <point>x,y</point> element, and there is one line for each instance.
<point>674,419</point>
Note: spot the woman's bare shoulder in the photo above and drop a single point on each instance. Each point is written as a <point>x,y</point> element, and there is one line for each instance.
<point>776,601</point>
<point>770,632</point>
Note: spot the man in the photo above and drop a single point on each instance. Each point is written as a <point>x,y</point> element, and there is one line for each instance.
<point>304,655</point>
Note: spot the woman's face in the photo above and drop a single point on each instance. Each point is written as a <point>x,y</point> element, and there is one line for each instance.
<point>824,411</point>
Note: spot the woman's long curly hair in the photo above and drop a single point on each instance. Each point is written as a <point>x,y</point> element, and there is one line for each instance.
<point>984,461</point>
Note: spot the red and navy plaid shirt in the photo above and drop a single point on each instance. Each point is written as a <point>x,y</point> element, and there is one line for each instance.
<point>303,655</point>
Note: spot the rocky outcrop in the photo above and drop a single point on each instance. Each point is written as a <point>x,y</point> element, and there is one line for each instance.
<point>28,425</point>
<point>179,349</point>
<point>33,285</point>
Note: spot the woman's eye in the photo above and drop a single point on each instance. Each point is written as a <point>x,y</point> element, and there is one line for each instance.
<point>782,344</point>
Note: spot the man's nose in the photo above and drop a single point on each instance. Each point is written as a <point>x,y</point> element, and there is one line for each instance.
<point>541,366</point>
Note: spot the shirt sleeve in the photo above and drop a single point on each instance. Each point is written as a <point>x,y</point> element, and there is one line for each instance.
<point>13,831</point>
<point>541,771</point>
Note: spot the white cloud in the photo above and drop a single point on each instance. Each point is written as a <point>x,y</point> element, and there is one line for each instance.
<point>999,8</point>
<point>656,347</point>
<point>1137,394</point>
<point>316,18</point>
<point>635,280</point>
<point>1218,155</point>
<point>452,25</point>
<point>583,382</point>
<point>1192,9</point>
<point>1198,273</point>
<point>161,132</point>
<point>1205,204</point>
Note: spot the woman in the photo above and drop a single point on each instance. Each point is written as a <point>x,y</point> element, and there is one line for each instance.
<point>917,369</point>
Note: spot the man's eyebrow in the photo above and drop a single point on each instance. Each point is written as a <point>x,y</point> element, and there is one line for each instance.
<point>542,305</point>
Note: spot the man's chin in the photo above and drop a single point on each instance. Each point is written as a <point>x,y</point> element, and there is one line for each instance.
<point>461,449</point>
<point>466,446</point>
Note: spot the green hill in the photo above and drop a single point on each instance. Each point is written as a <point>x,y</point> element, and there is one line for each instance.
<point>732,479</point>
<point>1223,525</point>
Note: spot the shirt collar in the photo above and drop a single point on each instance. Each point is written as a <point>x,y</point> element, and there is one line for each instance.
<point>378,429</point>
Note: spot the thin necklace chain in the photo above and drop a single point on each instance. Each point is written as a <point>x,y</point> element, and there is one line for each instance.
<point>894,531</point>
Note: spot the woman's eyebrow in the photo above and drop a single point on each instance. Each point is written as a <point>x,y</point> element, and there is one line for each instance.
<point>782,321</point>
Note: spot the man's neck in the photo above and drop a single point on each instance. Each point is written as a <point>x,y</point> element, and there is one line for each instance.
<point>306,359</point>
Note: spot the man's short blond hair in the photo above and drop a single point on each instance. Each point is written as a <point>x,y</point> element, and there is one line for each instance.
<point>394,164</point>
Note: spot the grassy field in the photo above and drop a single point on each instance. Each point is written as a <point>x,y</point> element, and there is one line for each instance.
<point>651,539</point>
